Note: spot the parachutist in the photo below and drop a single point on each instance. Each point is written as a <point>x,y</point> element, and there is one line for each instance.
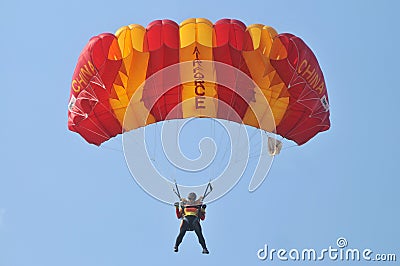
<point>191,211</point>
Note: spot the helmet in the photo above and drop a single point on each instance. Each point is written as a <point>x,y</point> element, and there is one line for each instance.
<point>192,196</point>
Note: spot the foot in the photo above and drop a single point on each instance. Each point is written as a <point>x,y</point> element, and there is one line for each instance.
<point>175,249</point>
<point>205,251</point>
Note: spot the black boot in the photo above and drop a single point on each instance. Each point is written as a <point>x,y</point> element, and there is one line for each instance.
<point>176,249</point>
<point>205,251</point>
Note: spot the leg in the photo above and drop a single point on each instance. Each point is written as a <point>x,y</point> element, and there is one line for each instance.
<point>199,233</point>
<point>182,232</point>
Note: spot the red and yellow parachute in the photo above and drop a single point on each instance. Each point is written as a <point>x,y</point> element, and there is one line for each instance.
<point>113,68</point>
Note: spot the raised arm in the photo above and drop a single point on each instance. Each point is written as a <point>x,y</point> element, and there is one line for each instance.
<point>178,211</point>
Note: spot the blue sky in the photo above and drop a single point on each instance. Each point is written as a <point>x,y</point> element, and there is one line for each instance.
<point>64,202</point>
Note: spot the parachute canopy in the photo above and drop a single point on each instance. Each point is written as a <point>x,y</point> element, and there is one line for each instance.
<point>113,71</point>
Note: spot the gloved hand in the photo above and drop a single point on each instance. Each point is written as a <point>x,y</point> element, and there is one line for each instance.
<point>204,206</point>
<point>176,204</point>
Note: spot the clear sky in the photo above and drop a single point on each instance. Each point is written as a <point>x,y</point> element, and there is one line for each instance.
<point>65,202</point>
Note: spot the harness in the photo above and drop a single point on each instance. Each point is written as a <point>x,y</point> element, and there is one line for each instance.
<point>191,219</point>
